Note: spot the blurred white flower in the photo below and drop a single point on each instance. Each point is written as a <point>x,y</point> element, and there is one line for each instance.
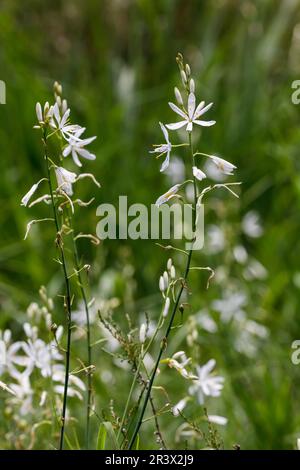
<point>176,170</point>
<point>76,146</point>
<point>240,254</point>
<point>223,165</point>
<point>217,419</point>
<point>251,225</point>
<point>230,306</point>
<point>215,239</point>
<point>179,407</point>
<point>191,116</point>
<point>207,384</point>
<point>199,174</point>
<point>255,270</point>
<point>168,195</point>
<point>164,148</point>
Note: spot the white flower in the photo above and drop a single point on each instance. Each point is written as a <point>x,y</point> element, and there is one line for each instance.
<point>200,175</point>
<point>164,148</point>
<point>231,306</point>
<point>207,384</point>
<point>65,179</point>
<point>168,195</point>
<point>191,116</point>
<point>179,361</point>
<point>23,394</point>
<point>217,419</point>
<point>251,225</point>
<point>61,123</point>
<point>223,165</point>
<point>76,147</point>
<point>30,193</point>
<point>179,407</point>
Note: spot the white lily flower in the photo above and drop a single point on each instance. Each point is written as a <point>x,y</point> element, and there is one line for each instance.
<point>31,192</point>
<point>76,147</point>
<point>168,195</point>
<point>191,116</point>
<point>179,361</point>
<point>223,165</point>
<point>207,384</point>
<point>65,179</point>
<point>164,148</point>
<point>199,175</point>
<point>61,123</point>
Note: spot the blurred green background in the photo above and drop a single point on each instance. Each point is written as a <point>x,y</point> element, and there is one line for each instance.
<point>116,62</point>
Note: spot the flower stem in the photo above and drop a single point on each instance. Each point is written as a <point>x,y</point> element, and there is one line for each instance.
<point>89,347</point>
<point>172,317</point>
<point>67,298</point>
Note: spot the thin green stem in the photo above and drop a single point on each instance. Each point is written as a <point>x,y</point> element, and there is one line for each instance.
<point>88,330</point>
<point>172,317</point>
<point>67,298</point>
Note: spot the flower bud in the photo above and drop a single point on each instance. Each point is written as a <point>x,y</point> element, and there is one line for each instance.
<point>161,284</point>
<point>39,112</point>
<point>173,272</point>
<point>166,307</point>
<point>183,77</point>
<point>178,96</point>
<point>166,279</point>
<point>188,70</point>
<point>169,263</point>
<point>143,333</point>
<point>192,85</point>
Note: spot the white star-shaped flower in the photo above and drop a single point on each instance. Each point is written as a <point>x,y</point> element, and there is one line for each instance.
<point>76,147</point>
<point>207,383</point>
<point>191,116</point>
<point>62,124</point>
<point>164,148</point>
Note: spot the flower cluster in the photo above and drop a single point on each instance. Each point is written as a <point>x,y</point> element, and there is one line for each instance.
<point>30,365</point>
<point>54,122</point>
<point>190,113</point>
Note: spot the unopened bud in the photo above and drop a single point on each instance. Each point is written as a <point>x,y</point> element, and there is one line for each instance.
<point>166,307</point>
<point>169,263</point>
<point>173,272</point>
<point>166,279</point>
<point>188,70</point>
<point>192,85</point>
<point>178,96</point>
<point>183,77</point>
<point>57,88</point>
<point>161,284</point>
<point>143,333</point>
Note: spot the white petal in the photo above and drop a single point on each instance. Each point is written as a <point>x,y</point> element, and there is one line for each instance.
<point>202,110</point>
<point>165,132</point>
<point>191,105</point>
<point>198,109</point>
<point>205,123</point>
<point>177,110</point>
<point>86,154</point>
<point>76,159</point>
<point>30,193</point>
<point>165,163</point>
<point>189,127</point>
<point>176,125</point>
